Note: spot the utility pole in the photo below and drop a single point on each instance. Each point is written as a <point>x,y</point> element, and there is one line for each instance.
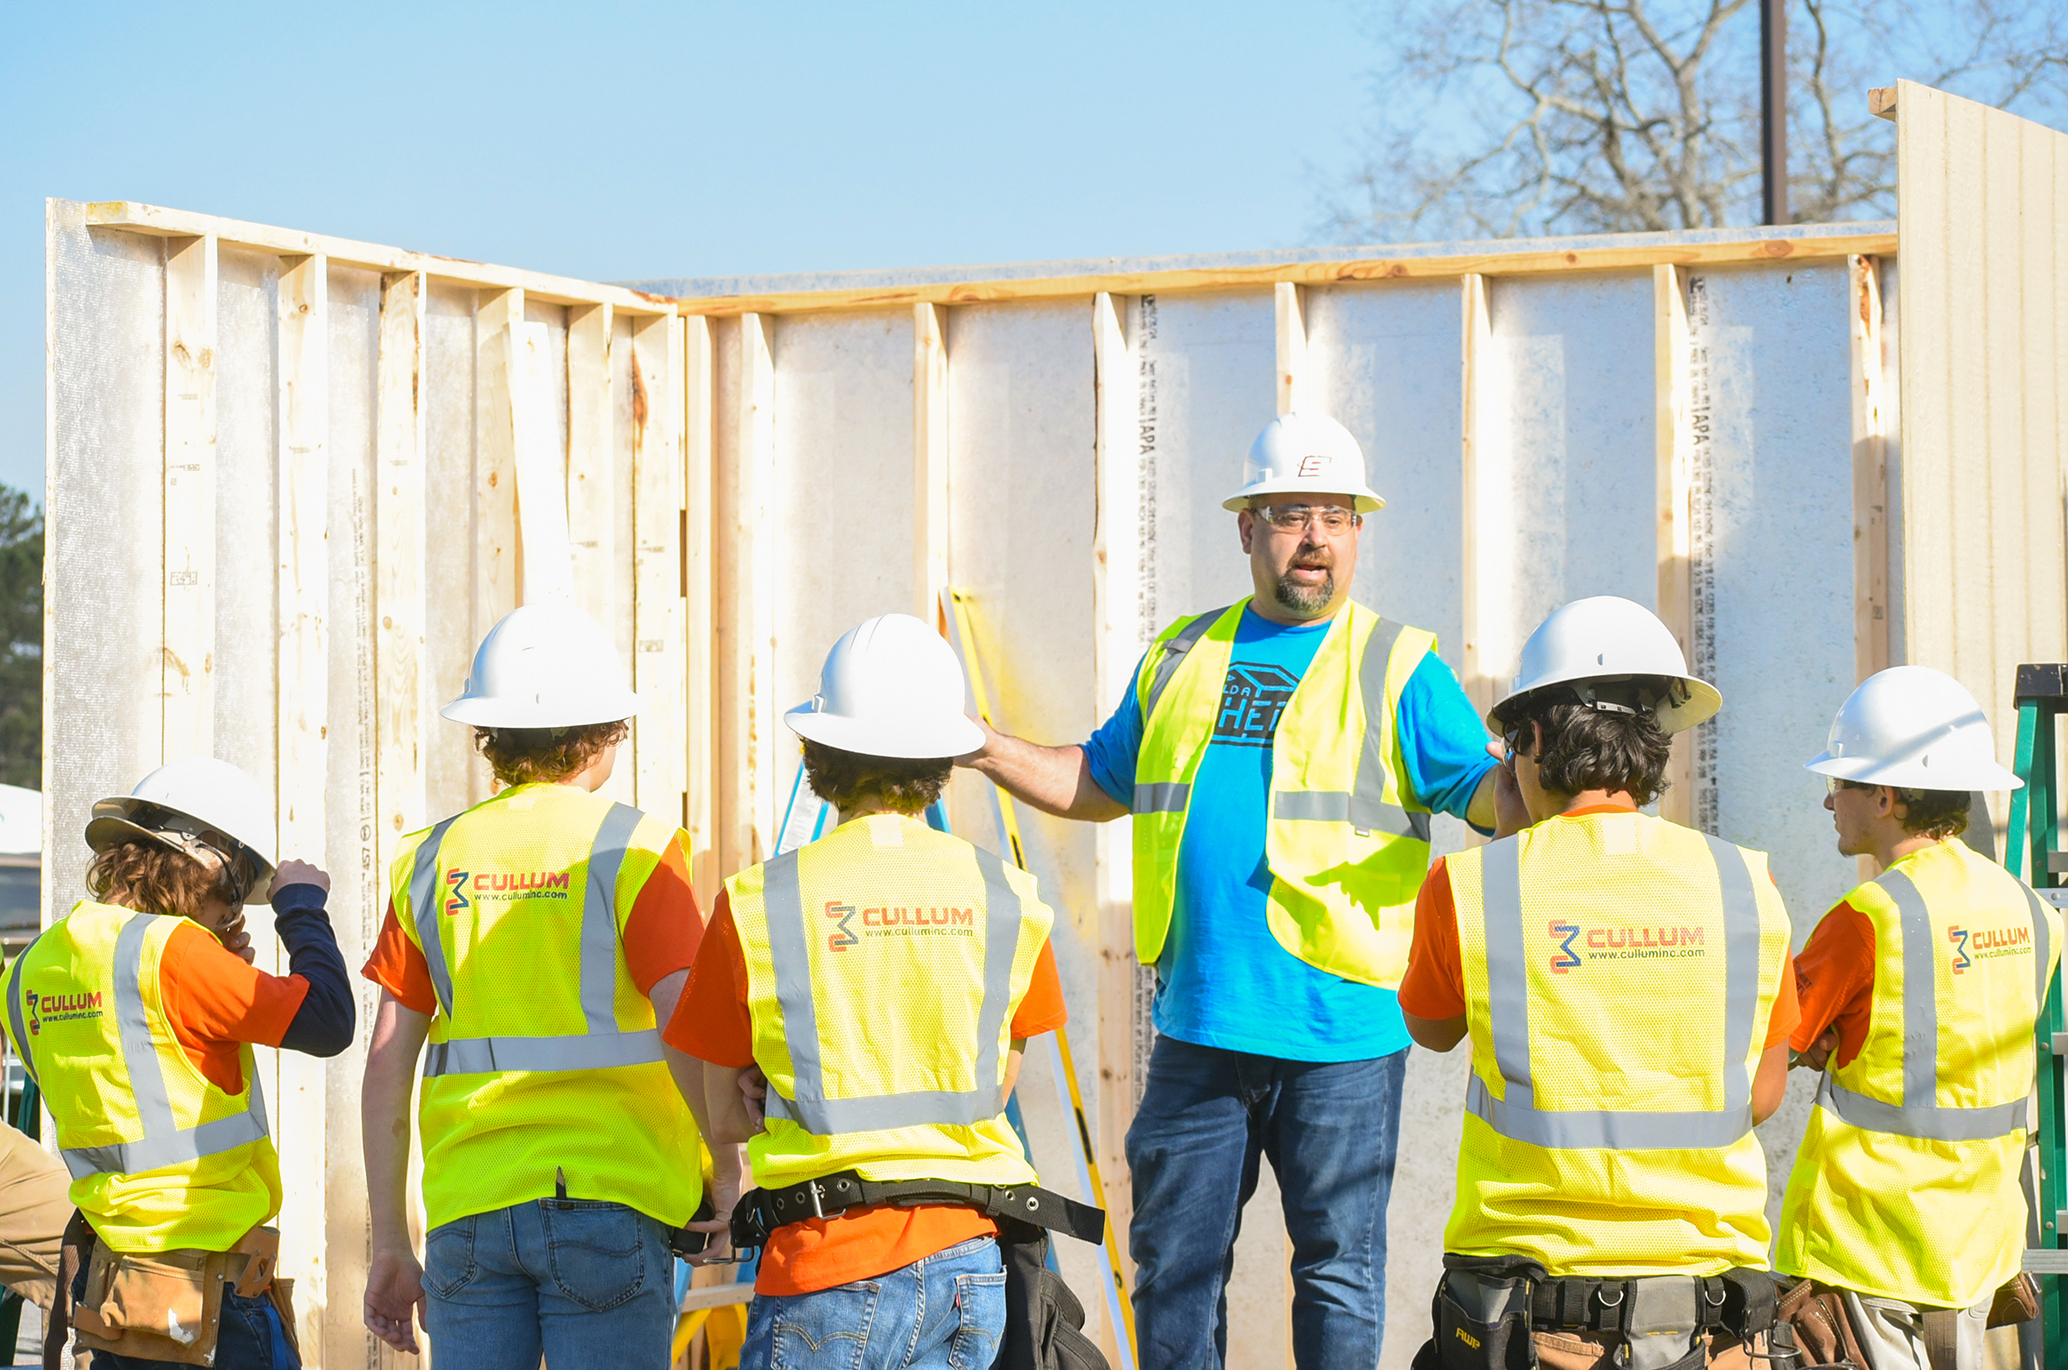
<point>1773,111</point>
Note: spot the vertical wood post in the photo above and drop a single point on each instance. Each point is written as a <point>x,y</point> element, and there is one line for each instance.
<point>1290,307</point>
<point>1477,343</point>
<point>592,492</point>
<point>1119,640</point>
<point>746,621</point>
<point>1673,489</point>
<point>401,683</point>
<point>189,634</point>
<point>929,460</point>
<point>544,566</point>
<point>1870,474</point>
<point>302,588</point>
<point>657,610</point>
<point>699,564</point>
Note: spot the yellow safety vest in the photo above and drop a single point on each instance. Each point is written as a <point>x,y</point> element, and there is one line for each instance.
<point>1619,974</point>
<point>1346,841</point>
<point>544,1056</point>
<point>161,1159</point>
<point>1906,1186</point>
<point>884,964</point>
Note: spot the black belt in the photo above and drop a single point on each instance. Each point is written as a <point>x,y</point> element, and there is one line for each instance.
<point>1739,1302</point>
<point>762,1211</point>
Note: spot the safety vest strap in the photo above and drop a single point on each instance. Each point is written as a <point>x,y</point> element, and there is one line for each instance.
<point>1516,1115</point>
<point>1921,1115</point>
<point>164,1142</point>
<point>14,1009</point>
<point>790,955</point>
<point>603,1045</point>
<point>1162,797</point>
<point>1174,653</point>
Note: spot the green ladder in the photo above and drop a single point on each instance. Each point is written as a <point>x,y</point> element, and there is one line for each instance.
<point>2032,843</point>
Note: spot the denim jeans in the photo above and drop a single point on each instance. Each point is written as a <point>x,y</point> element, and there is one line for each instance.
<point>1330,1132</point>
<point>582,1282</point>
<point>942,1312</point>
<point>249,1338</point>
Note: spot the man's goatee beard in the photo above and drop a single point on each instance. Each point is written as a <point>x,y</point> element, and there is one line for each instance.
<point>1306,599</point>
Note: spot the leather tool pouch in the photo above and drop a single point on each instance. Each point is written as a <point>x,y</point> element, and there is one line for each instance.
<point>1044,1322</point>
<point>1815,1316</point>
<point>2016,1302</point>
<point>168,1306</point>
<point>1481,1315</point>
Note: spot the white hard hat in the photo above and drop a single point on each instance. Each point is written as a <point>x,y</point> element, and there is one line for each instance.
<point>890,687</point>
<point>184,805</point>
<point>1307,454</point>
<point>1597,642</point>
<point>545,666</point>
<point>1915,728</point>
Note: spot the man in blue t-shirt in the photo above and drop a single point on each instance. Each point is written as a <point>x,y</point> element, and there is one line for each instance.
<point>1262,1052</point>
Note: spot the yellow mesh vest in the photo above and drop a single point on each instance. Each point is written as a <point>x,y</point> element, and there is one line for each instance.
<point>1906,1185</point>
<point>161,1159</point>
<point>543,1054</point>
<point>1347,843</point>
<point>1619,974</point>
<point>884,964</point>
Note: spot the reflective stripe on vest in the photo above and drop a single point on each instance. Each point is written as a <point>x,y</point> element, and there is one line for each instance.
<point>1507,982</point>
<point>604,1045</point>
<point>1364,807</point>
<point>14,1012</point>
<point>1921,1115</point>
<point>783,900</point>
<point>164,1142</point>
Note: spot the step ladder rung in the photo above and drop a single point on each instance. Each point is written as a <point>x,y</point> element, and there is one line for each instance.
<point>2046,1261</point>
<point>2057,861</point>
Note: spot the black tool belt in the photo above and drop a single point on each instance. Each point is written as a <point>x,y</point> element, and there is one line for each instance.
<point>1739,1303</point>
<point>762,1211</point>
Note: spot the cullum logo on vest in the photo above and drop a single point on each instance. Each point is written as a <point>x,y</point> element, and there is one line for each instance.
<point>1578,943</point>
<point>1987,944</point>
<point>895,922</point>
<point>493,887</point>
<point>60,1008</point>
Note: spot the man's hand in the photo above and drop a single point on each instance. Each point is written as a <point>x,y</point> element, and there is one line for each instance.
<point>297,873</point>
<point>990,736</point>
<point>754,1091</point>
<point>235,939</point>
<point>1819,1052</point>
<point>395,1292</point>
<point>728,1180</point>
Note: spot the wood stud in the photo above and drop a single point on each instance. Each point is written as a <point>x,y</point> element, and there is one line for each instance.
<point>929,461</point>
<point>1674,490</point>
<point>1477,347</point>
<point>190,351</point>
<point>699,591</point>
<point>661,755</point>
<point>592,493</point>
<point>1289,304</point>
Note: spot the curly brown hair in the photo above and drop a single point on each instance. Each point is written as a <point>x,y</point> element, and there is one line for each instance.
<point>154,879</point>
<point>1592,749</point>
<point>899,783</point>
<point>526,756</point>
<point>1936,813</point>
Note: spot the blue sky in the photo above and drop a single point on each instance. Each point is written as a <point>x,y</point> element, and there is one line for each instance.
<point>632,141</point>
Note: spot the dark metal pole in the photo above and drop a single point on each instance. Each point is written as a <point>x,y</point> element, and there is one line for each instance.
<point>1773,111</point>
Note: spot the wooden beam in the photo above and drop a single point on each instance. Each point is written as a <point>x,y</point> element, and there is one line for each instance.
<point>746,606</point>
<point>188,661</point>
<point>1673,487</point>
<point>592,462</point>
<point>1881,102</point>
<point>547,289</point>
<point>929,461</point>
<point>402,703</point>
<point>494,531</point>
<point>1523,261</point>
<point>302,586</point>
<point>699,602</point>
<point>1291,310</point>
<point>1870,474</point>
<point>1477,340</point>
<point>661,754</point>
<point>545,570</point>
<point>1120,638</point>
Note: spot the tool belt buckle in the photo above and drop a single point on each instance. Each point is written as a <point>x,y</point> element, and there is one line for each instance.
<point>817,1191</point>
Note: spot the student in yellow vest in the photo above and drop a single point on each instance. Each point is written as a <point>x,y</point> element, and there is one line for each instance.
<point>1625,985</point>
<point>884,978</point>
<point>1282,757</point>
<point>137,1013</point>
<point>537,940</point>
<point>1919,994</point>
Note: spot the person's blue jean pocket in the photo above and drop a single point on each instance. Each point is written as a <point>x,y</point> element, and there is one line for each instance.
<point>596,1251</point>
<point>980,1300</point>
<point>449,1257</point>
<point>825,1329</point>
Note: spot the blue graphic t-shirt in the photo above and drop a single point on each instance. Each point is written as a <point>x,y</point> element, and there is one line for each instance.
<point>1223,980</point>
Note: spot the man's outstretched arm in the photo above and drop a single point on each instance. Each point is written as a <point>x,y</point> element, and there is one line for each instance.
<point>1055,780</point>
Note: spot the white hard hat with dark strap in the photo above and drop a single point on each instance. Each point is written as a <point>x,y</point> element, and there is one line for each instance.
<point>1304,454</point>
<point>1914,728</point>
<point>891,686</point>
<point>1614,655</point>
<point>545,665</point>
<point>203,807</point>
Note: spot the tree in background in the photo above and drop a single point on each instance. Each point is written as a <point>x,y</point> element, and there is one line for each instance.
<point>1501,118</point>
<point>21,640</point>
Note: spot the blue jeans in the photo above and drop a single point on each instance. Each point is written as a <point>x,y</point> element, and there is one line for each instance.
<point>942,1312</point>
<point>1331,1132</point>
<point>580,1281</point>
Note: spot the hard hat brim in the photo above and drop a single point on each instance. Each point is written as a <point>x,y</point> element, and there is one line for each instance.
<point>915,741</point>
<point>112,824</point>
<point>1702,703</point>
<point>1909,774</point>
<point>490,711</point>
<point>1367,501</point>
